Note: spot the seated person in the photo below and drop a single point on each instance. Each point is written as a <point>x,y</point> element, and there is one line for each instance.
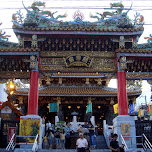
<point>114,146</point>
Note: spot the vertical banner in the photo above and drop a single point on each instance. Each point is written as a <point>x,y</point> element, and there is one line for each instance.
<point>139,113</point>
<point>115,108</point>
<point>53,107</point>
<point>11,131</point>
<point>89,108</point>
<point>149,110</point>
<point>29,127</point>
<point>125,130</point>
<point>131,108</point>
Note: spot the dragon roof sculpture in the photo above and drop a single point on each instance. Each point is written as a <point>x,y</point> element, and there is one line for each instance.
<point>3,35</point>
<point>38,18</point>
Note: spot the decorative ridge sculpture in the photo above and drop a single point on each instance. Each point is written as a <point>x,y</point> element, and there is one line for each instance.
<point>46,20</point>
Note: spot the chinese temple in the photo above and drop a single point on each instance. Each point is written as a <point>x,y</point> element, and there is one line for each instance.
<point>72,62</point>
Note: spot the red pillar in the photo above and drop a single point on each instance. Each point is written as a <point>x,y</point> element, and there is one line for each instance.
<point>122,93</point>
<point>33,93</point>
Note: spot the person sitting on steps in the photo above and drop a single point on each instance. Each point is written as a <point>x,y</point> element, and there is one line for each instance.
<point>114,145</point>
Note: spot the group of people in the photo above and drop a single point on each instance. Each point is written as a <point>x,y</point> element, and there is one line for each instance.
<point>89,133</point>
<point>86,140</point>
<point>56,138</point>
<point>62,139</point>
<point>82,144</point>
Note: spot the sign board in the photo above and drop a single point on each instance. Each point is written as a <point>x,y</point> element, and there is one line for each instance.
<point>11,131</point>
<point>6,109</point>
<point>29,127</point>
<point>125,130</point>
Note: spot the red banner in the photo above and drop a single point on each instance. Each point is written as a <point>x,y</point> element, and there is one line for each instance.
<point>11,131</point>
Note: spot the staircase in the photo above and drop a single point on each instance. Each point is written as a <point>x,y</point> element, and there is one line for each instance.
<point>101,142</point>
<point>101,146</point>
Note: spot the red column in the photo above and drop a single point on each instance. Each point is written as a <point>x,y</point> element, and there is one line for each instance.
<point>33,93</point>
<point>122,93</point>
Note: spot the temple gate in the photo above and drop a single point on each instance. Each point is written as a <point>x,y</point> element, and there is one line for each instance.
<point>73,62</point>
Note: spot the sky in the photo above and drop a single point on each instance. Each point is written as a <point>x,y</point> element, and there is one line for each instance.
<point>144,7</point>
<point>9,7</point>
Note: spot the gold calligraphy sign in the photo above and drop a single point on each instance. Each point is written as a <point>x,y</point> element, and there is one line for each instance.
<point>78,61</point>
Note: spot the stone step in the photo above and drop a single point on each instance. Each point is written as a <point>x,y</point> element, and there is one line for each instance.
<point>59,150</point>
<point>101,142</point>
<point>3,150</point>
<point>74,150</point>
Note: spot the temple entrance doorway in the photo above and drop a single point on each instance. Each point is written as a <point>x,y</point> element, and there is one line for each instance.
<point>76,106</point>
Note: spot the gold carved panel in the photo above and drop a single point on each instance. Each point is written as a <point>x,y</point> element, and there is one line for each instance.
<point>103,54</point>
<point>101,61</point>
<point>139,75</point>
<point>92,68</point>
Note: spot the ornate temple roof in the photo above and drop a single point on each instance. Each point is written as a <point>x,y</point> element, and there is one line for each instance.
<point>76,91</point>
<point>110,22</point>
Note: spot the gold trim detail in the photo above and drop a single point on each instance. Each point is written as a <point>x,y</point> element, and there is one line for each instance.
<point>134,50</point>
<point>108,54</point>
<point>92,68</point>
<point>139,75</point>
<point>19,75</point>
<point>19,49</point>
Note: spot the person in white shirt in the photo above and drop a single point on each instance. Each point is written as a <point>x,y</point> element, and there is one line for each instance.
<point>81,143</point>
<point>49,126</point>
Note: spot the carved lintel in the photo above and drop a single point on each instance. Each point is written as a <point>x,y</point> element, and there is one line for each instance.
<point>96,68</point>
<point>65,54</point>
<point>139,75</point>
